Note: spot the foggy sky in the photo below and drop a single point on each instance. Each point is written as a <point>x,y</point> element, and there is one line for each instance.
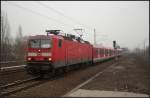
<point>127,22</point>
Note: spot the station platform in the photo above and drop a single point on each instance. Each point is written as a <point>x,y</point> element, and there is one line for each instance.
<point>115,81</point>
<point>98,93</point>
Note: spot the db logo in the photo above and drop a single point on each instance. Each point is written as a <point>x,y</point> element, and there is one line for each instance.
<point>39,54</point>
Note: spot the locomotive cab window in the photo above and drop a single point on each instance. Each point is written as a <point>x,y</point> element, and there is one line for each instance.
<point>40,43</point>
<point>46,43</point>
<point>34,43</point>
<point>59,43</point>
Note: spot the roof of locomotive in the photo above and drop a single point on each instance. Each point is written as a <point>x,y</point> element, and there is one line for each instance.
<point>44,37</point>
<point>57,37</point>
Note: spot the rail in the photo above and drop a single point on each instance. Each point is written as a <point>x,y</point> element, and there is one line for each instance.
<point>11,67</point>
<point>16,83</point>
<point>11,61</point>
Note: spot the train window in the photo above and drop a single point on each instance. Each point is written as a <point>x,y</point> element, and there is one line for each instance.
<point>96,51</point>
<point>101,51</point>
<point>34,43</point>
<point>106,52</point>
<point>46,43</point>
<point>114,52</point>
<point>110,52</point>
<point>59,43</point>
<point>38,43</point>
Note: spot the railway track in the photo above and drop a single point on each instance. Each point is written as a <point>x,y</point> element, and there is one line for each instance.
<point>4,71</point>
<point>18,86</point>
<point>67,82</point>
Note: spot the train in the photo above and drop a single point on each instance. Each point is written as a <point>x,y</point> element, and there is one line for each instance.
<point>47,53</point>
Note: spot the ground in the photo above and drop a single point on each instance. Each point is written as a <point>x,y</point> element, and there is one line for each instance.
<point>130,74</point>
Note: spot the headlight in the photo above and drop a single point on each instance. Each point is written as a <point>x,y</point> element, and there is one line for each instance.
<point>29,59</point>
<point>46,54</point>
<point>32,54</point>
<point>49,59</point>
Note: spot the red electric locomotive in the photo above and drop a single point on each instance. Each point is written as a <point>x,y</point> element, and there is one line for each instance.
<point>46,53</point>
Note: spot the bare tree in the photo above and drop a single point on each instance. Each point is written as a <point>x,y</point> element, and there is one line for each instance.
<point>143,54</point>
<point>20,44</point>
<point>5,38</point>
<point>11,49</point>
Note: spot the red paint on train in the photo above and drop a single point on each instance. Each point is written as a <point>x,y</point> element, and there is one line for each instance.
<point>48,52</point>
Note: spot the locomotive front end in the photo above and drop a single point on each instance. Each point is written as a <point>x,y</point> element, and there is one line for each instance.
<point>39,54</point>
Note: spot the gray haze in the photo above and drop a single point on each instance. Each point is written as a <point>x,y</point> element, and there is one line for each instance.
<point>127,22</point>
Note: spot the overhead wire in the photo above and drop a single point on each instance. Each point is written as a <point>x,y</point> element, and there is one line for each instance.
<point>37,13</point>
<point>58,12</point>
<point>29,10</point>
<point>51,8</point>
<point>62,14</point>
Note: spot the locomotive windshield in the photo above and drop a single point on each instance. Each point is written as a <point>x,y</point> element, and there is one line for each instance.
<point>46,44</point>
<point>40,43</point>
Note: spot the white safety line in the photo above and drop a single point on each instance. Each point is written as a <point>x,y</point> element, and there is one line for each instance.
<point>4,68</point>
<point>89,80</point>
<point>12,61</point>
